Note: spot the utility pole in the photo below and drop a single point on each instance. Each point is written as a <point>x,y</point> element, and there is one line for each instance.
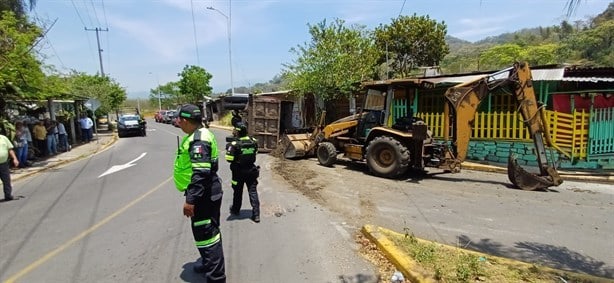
<point>159,100</point>
<point>228,26</point>
<point>101,71</point>
<point>99,49</point>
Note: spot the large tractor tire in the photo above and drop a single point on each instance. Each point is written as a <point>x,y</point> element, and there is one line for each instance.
<point>387,157</point>
<point>327,154</point>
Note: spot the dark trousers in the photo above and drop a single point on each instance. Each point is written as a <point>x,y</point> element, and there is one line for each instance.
<point>247,177</point>
<point>41,145</point>
<point>63,142</point>
<point>5,176</point>
<point>86,135</point>
<point>212,254</point>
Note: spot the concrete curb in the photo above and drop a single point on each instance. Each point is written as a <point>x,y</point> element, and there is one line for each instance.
<point>402,262</point>
<point>408,266</point>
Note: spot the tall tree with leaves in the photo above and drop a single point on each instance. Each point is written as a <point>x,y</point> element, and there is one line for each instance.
<point>194,84</point>
<point>334,62</point>
<point>110,93</point>
<point>500,56</point>
<point>412,42</point>
<point>18,7</point>
<point>169,95</point>
<point>21,76</point>
<point>592,46</point>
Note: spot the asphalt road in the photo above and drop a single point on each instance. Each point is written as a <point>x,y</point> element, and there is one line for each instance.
<point>568,227</point>
<point>116,217</point>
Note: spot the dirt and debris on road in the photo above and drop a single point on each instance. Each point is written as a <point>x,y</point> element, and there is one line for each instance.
<point>470,205</point>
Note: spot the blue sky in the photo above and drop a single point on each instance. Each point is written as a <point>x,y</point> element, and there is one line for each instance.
<point>150,41</point>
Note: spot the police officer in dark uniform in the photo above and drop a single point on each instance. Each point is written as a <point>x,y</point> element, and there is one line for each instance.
<point>195,174</point>
<point>241,153</point>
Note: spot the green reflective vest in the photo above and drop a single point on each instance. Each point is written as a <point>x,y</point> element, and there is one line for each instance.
<point>182,173</point>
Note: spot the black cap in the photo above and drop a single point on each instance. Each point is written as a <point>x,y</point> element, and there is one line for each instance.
<point>190,111</point>
<point>241,129</point>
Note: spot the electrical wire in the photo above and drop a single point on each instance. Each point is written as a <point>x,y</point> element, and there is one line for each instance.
<point>195,38</point>
<point>78,14</point>
<point>402,6</point>
<point>95,13</point>
<point>84,26</point>
<point>88,13</point>
<point>104,13</point>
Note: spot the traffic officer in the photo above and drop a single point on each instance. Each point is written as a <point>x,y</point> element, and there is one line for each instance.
<point>195,175</point>
<point>241,153</point>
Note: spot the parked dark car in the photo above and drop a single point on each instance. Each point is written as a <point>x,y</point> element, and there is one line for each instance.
<point>128,125</point>
<point>169,115</point>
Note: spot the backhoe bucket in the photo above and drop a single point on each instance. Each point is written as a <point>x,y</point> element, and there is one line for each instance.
<point>297,145</point>
<point>529,181</point>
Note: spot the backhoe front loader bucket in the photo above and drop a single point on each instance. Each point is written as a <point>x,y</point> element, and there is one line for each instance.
<point>529,181</point>
<point>297,145</point>
<point>302,145</point>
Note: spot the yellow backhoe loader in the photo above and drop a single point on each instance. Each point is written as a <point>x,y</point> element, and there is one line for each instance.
<point>389,151</point>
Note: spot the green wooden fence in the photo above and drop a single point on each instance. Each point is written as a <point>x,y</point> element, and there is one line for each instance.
<point>601,132</point>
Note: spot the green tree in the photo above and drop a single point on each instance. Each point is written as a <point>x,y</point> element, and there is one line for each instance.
<point>170,95</point>
<point>331,65</point>
<point>194,83</point>
<point>541,54</point>
<point>110,93</point>
<point>592,46</point>
<point>566,30</point>
<point>21,76</point>
<point>501,56</point>
<point>412,42</point>
<point>18,7</point>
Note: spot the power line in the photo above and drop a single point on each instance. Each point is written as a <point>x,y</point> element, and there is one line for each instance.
<point>104,13</point>
<point>87,11</point>
<point>78,14</point>
<point>89,44</point>
<point>95,14</point>
<point>49,41</point>
<point>195,40</point>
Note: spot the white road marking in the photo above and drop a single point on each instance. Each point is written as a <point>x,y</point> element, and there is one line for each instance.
<point>117,168</point>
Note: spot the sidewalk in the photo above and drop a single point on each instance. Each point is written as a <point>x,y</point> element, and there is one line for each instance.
<point>80,150</point>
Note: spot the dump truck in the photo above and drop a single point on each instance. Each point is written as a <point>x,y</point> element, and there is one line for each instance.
<point>407,144</point>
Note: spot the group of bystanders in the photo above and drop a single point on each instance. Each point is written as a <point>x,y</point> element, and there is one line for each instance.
<point>34,139</point>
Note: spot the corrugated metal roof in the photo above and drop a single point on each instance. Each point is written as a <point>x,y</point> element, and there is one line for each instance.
<point>548,74</point>
<point>454,80</point>
<point>538,74</point>
<point>587,79</point>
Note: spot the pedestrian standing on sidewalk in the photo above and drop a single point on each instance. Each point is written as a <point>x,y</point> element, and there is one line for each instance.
<point>86,128</point>
<point>241,153</point>
<point>40,138</point>
<point>6,150</point>
<point>21,143</point>
<point>52,131</point>
<point>195,174</point>
<point>63,137</point>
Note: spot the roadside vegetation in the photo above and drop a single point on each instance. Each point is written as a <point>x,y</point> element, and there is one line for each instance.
<point>442,263</point>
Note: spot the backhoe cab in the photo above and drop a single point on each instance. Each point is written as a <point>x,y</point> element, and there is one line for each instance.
<point>390,150</point>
